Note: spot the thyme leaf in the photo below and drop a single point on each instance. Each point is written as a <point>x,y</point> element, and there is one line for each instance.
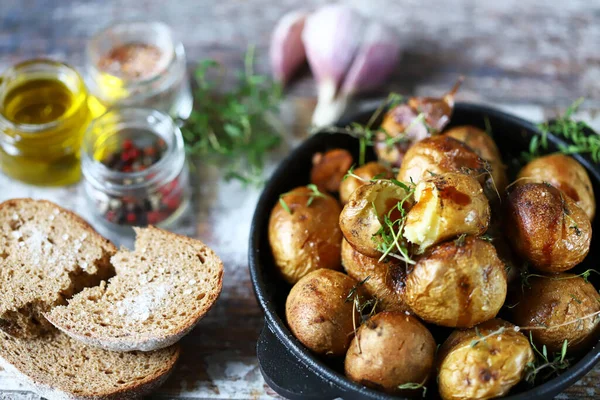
<point>314,193</point>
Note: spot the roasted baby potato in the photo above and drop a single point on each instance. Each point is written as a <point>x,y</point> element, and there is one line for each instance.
<point>360,220</point>
<point>400,120</point>
<point>457,284</point>
<point>447,205</point>
<point>546,227</point>
<point>440,154</point>
<point>389,350</point>
<point>329,169</point>
<point>483,363</point>
<point>566,174</point>
<point>485,147</point>
<point>367,172</point>
<point>384,279</point>
<point>309,237</point>
<point>559,307</point>
<point>319,315</point>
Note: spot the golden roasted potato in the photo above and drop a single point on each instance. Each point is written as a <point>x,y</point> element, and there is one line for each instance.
<point>367,172</point>
<point>319,315</point>
<point>485,147</point>
<point>483,363</point>
<point>385,278</point>
<point>546,227</point>
<point>440,154</point>
<point>447,205</point>
<point>389,350</point>
<point>559,307</point>
<point>361,218</point>
<point>329,169</point>
<point>307,239</point>
<point>457,284</point>
<point>566,174</point>
<point>396,122</point>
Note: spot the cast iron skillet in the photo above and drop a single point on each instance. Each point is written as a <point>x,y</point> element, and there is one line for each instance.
<point>292,370</point>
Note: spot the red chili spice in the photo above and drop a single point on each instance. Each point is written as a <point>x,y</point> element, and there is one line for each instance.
<point>133,61</point>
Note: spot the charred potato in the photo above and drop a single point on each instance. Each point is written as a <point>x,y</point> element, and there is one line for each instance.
<point>483,363</point>
<point>440,154</point>
<point>447,205</point>
<point>485,147</point>
<point>366,172</point>
<point>400,120</point>
<point>566,174</point>
<point>319,315</point>
<point>546,227</point>
<point>389,350</point>
<point>457,284</point>
<point>308,238</point>
<point>360,220</point>
<point>556,306</point>
<point>329,169</point>
<point>384,279</point>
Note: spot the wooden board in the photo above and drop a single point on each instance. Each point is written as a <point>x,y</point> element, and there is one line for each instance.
<point>526,57</point>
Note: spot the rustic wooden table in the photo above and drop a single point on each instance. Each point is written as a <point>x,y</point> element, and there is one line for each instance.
<point>529,57</point>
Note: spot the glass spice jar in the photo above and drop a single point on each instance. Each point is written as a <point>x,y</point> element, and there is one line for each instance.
<point>138,64</point>
<point>134,169</point>
<point>43,116</point>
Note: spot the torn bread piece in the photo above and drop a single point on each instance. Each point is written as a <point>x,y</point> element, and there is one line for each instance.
<point>160,292</point>
<point>58,367</point>
<point>47,254</point>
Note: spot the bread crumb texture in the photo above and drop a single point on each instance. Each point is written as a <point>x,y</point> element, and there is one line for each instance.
<point>47,254</point>
<point>160,291</point>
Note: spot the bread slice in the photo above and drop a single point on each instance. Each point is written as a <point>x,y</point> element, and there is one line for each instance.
<point>58,367</point>
<point>160,291</point>
<point>47,254</point>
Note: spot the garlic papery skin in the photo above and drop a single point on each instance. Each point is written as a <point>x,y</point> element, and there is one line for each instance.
<point>331,37</point>
<point>287,52</point>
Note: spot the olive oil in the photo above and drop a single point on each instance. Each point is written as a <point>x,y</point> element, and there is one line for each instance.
<point>43,115</point>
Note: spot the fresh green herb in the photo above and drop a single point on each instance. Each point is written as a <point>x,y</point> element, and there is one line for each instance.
<point>354,291</point>
<point>314,193</point>
<point>460,241</point>
<point>483,339</point>
<point>234,126</point>
<point>576,133</point>
<point>575,298</point>
<point>414,386</point>
<point>525,275</point>
<point>360,305</point>
<point>555,365</point>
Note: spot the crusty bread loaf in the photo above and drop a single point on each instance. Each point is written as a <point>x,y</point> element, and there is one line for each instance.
<point>160,291</point>
<point>46,255</point>
<point>58,367</point>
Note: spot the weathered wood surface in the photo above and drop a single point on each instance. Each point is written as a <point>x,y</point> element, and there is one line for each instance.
<point>528,57</point>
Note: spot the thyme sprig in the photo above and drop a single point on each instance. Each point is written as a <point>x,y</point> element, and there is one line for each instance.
<point>314,193</point>
<point>414,386</point>
<point>525,276</point>
<point>576,133</point>
<point>556,364</point>
<point>483,339</point>
<point>233,126</point>
<point>360,305</point>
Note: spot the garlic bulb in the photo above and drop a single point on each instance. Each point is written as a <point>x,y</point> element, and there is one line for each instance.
<point>287,50</point>
<point>331,37</point>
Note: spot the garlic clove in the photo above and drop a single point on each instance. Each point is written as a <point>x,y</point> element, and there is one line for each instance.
<point>399,121</point>
<point>287,52</point>
<point>437,111</point>
<point>331,37</point>
<point>375,60</point>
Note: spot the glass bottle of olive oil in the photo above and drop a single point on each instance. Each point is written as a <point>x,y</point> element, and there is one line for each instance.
<point>43,115</point>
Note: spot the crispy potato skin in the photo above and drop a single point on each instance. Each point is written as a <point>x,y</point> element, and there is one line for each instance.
<point>555,300</point>
<point>546,227</point>
<point>307,239</point>
<point>566,174</point>
<point>485,147</point>
<point>487,370</point>
<point>440,154</point>
<point>367,172</point>
<point>447,205</point>
<point>390,349</point>
<point>457,284</point>
<point>386,278</point>
<point>360,222</point>
<point>329,169</point>
<point>319,315</point>
<point>396,122</point>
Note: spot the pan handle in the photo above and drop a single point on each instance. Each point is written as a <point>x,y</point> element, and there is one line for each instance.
<point>287,375</point>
